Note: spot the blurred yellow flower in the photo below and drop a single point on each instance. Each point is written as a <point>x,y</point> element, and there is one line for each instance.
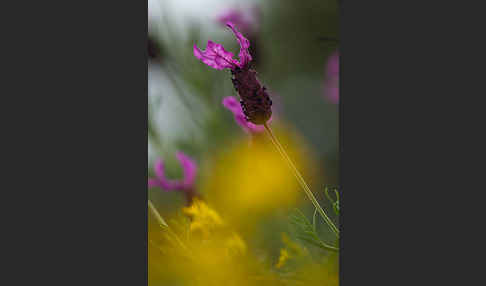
<point>315,270</point>
<point>282,259</point>
<point>235,245</point>
<point>219,257</point>
<point>204,219</point>
<point>250,180</point>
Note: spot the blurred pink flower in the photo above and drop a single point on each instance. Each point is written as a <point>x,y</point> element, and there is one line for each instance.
<point>186,183</point>
<point>331,82</point>
<point>217,57</point>
<point>231,103</point>
<point>247,20</point>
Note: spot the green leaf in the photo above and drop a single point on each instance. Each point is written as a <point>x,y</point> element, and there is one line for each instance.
<point>335,204</point>
<point>307,232</point>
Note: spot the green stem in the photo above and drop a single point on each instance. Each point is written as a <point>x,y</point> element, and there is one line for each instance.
<point>164,225</point>
<point>328,247</point>
<point>301,180</point>
<point>159,218</point>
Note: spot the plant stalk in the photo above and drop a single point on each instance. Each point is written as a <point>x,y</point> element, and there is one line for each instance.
<point>164,225</point>
<point>301,180</point>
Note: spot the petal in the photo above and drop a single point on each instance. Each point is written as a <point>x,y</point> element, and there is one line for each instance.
<point>240,118</point>
<point>256,128</point>
<point>234,106</point>
<point>230,15</point>
<point>332,78</point>
<point>237,17</point>
<point>190,169</point>
<point>153,183</point>
<point>231,103</point>
<point>332,68</point>
<point>215,56</point>
<point>244,54</point>
<point>162,181</point>
<point>332,93</point>
<point>159,168</point>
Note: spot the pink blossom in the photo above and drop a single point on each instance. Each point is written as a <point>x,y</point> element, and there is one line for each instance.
<point>217,57</point>
<point>186,183</point>
<point>234,106</point>
<point>247,20</point>
<point>235,16</point>
<point>331,82</point>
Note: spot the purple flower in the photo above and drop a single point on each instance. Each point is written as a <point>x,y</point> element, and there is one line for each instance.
<point>245,19</point>
<point>186,184</point>
<point>231,103</point>
<point>217,57</point>
<point>255,101</point>
<point>331,90</point>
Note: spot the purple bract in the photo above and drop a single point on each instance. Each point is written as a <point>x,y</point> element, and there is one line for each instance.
<point>217,57</point>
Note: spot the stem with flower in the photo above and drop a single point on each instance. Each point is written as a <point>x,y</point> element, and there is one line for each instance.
<point>255,102</point>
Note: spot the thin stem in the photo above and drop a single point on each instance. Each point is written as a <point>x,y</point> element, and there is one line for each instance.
<point>301,181</point>
<point>159,218</point>
<point>162,223</point>
<point>328,247</point>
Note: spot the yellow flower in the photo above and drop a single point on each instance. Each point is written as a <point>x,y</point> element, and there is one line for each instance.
<point>219,257</point>
<point>293,247</point>
<point>204,219</point>
<point>284,256</point>
<point>248,181</point>
<point>235,245</point>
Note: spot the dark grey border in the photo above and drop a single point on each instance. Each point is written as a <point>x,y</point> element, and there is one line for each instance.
<point>78,170</point>
<point>410,71</point>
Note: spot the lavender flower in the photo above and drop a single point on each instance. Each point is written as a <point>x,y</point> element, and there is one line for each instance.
<point>185,185</point>
<point>255,102</point>
<point>331,90</point>
<point>231,103</point>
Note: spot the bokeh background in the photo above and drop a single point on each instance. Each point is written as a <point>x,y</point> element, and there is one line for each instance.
<point>293,42</point>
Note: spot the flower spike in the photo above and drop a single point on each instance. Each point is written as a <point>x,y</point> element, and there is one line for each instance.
<point>255,101</point>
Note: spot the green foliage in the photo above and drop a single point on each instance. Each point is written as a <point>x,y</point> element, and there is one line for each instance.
<point>306,231</point>
<point>335,203</point>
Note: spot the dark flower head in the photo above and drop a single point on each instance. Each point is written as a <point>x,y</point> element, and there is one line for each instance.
<point>255,102</point>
